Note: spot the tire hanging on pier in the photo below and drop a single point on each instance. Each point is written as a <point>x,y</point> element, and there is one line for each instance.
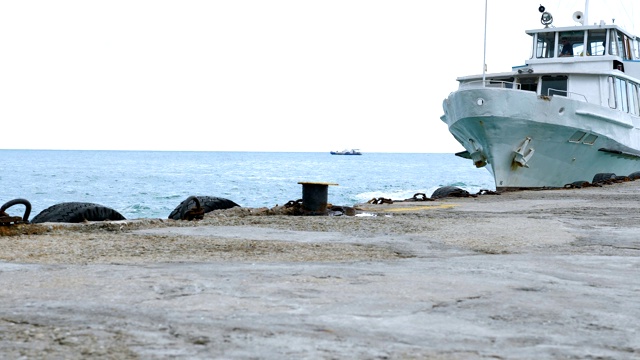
<point>451,191</point>
<point>208,203</point>
<point>76,212</point>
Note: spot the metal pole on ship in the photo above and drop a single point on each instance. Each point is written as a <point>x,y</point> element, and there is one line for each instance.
<point>585,20</point>
<point>484,59</point>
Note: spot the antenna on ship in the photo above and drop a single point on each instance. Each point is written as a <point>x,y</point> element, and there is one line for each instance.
<point>484,59</point>
<point>585,20</point>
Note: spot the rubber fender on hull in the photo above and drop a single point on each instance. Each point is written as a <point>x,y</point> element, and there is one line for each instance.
<point>208,203</point>
<point>600,177</point>
<point>577,184</point>
<point>76,212</point>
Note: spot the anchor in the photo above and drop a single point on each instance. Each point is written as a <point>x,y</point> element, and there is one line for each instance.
<point>520,158</point>
<point>479,160</point>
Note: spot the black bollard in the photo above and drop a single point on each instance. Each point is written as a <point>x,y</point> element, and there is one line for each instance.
<point>314,197</point>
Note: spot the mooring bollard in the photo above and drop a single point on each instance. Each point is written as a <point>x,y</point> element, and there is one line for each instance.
<point>314,197</point>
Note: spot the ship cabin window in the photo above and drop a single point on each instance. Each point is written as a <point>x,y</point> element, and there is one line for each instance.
<point>614,43</point>
<point>506,83</point>
<point>596,40</point>
<point>584,43</point>
<point>621,45</point>
<point>612,92</point>
<point>544,45</point>
<point>554,85</point>
<point>634,103</point>
<point>624,95</point>
<point>529,83</point>
<point>621,94</point>
<point>570,43</point>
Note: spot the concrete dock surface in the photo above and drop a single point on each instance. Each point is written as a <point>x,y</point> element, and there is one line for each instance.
<point>525,275</point>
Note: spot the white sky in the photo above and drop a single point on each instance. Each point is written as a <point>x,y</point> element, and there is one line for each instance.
<point>251,75</point>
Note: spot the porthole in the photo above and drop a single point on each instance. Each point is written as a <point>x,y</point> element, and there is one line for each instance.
<point>480,101</point>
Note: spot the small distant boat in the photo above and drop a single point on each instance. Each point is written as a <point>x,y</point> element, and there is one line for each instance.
<point>347,152</point>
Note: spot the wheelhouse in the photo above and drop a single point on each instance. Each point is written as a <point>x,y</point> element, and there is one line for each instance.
<point>598,64</point>
<point>584,41</point>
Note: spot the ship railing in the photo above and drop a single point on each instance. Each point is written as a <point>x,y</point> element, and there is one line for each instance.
<point>490,84</point>
<point>567,94</point>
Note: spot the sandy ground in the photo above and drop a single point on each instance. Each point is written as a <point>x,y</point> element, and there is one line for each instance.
<point>526,275</point>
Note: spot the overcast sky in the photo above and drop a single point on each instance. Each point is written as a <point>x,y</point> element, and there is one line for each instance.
<point>253,75</point>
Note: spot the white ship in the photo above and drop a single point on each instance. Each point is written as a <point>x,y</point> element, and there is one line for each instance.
<point>571,112</point>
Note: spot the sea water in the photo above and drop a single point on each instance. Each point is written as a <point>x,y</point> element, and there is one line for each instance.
<point>150,184</point>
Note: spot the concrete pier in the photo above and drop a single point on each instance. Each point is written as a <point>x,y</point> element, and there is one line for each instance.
<point>526,275</point>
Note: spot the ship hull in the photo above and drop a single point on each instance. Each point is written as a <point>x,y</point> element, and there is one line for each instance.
<point>528,141</point>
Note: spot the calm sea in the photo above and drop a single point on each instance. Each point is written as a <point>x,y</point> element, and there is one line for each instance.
<point>150,184</point>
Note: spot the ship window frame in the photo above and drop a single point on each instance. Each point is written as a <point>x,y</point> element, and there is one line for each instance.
<point>625,95</point>
<point>620,45</point>
<point>627,48</point>
<point>544,45</point>
<point>634,104</point>
<point>528,83</point>
<point>612,92</point>
<point>613,42</point>
<point>575,38</point>
<point>549,85</point>
<point>621,94</point>
<point>596,40</point>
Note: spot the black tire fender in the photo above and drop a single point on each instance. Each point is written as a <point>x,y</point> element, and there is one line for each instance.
<point>602,177</point>
<point>208,203</point>
<point>449,191</point>
<point>634,175</point>
<point>76,212</point>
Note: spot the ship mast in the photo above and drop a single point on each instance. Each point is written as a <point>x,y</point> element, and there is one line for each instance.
<point>586,13</point>
<point>484,59</point>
